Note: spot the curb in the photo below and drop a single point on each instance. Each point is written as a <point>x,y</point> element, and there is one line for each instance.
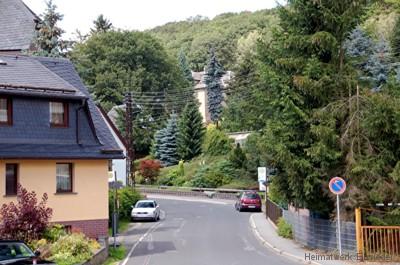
<point>277,250</point>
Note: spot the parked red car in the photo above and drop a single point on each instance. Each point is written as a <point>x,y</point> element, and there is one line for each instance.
<point>249,200</point>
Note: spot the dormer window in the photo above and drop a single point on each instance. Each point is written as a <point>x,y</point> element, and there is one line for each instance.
<point>5,111</point>
<point>58,114</point>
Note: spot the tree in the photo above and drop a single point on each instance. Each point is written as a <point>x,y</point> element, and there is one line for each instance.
<point>379,65</point>
<point>149,169</point>
<point>216,142</point>
<point>48,40</point>
<point>395,41</point>
<point>187,73</point>
<point>115,62</point>
<point>101,25</point>
<point>302,71</point>
<point>167,148</point>
<point>213,75</point>
<point>191,132</point>
<point>238,158</point>
<point>26,220</point>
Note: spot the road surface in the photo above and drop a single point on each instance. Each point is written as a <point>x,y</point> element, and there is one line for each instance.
<point>199,233</point>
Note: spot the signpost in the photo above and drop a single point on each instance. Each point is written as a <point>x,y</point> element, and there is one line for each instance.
<point>337,186</point>
<point>262,178</point>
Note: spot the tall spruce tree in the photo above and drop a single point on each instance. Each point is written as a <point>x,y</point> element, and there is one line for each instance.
<point>184,65</point>
<point>168,148</point>
<point>304,70</point>
<point>101,25</point>
<point>48,40</point>
<point>213,75</point>
<point>191,131</point>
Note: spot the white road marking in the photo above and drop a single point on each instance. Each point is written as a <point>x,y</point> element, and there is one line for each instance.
<point>149,231</point>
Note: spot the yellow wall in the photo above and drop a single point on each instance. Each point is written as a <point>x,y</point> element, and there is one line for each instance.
<point>90,183</point>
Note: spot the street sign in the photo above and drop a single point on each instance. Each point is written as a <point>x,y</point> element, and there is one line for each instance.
<point>262,174</point>
<point>337,185</point>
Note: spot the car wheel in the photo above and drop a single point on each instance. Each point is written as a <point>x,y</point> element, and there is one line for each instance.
<point>240,209</point>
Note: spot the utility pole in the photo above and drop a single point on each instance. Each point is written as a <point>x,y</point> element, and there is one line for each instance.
<point>130,159</point>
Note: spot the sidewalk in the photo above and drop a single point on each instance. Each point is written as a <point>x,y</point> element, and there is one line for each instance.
<point>267,234</point>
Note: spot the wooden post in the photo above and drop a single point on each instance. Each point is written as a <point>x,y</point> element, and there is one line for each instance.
<point>359,237</point>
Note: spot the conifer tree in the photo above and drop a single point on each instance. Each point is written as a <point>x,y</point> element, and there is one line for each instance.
<point>167,148</point>
<point>213,75</point>
<point>191,132</point>
<point>237,157</point>
<point>48,40</point>
<point>101,25</point>
<point>395,41</point>
<point>183,63</point>
<point>379,65</point>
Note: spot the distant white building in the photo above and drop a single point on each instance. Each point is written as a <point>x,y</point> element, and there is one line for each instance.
<point>239,137</point>
<point>200,88</point>
<point>117,166</point>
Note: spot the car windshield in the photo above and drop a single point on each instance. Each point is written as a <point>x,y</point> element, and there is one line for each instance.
<point>145,205</point>
<point>15,250</point>
<point>251,196</point>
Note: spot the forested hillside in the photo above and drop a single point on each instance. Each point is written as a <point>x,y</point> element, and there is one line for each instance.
<point>197,35</point>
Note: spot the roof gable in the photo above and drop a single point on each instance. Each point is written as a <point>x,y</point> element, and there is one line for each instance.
<point>18,24</point>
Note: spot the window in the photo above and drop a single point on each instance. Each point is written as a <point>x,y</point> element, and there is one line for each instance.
<point>64,177</point>
<point>11,179</point>
<point>58,114</point>
<point>5,111</point>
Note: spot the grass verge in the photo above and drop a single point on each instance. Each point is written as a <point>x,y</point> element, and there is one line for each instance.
<point>123,225</point>
<point>115,255</point>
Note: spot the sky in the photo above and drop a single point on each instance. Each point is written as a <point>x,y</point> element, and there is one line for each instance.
<point>141,14</point>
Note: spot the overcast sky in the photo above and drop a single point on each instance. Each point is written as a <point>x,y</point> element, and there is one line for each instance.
<point>142,14</point>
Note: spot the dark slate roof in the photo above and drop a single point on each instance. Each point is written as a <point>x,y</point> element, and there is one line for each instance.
<point>65,69</point>
<point>96,141</point>
<point>17,25</point>
<point>25,75</point>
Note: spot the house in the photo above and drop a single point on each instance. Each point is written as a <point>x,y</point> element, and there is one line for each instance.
<point>117,167</point>
<point>18,24</point>
<point>54,140</point>
<point>239,137</point>
<point>200,89</point>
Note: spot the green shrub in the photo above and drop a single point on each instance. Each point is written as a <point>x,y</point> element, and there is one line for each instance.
<point>284,229</point>
<point>174,177</point>
<point>210,176</point>
<point>71,249</point>
<point>216,142</point>
<point>54,232</point>
<point>126,197</point>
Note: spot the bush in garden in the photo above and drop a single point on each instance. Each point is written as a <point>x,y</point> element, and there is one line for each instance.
<point>216,142</point>
<point>54,232</point>
<point>71,249</point>
<point>284,228</point>
<point>26,220</point>
<point>149,169</point>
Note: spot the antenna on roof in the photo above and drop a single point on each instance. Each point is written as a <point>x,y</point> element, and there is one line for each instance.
<point>3,62</point>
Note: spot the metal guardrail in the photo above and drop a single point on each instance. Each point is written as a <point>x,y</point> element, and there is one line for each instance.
<point>229,194</point>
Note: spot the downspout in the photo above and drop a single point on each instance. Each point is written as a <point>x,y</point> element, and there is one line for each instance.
<point>77,121</point>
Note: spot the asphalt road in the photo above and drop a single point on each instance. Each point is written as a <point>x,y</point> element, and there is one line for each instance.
<point>199,233</point>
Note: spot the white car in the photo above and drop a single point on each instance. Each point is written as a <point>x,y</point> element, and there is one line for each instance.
<point>145,210</point>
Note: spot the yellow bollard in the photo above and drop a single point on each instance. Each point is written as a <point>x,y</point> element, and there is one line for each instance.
<point>359,237</point>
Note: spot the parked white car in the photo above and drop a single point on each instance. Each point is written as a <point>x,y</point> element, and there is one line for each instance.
<point>145,210</point>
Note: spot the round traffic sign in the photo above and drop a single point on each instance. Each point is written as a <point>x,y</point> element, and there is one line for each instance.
<point>337,185</point>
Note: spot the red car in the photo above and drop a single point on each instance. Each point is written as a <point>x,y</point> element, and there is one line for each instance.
<point>249,200</point>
